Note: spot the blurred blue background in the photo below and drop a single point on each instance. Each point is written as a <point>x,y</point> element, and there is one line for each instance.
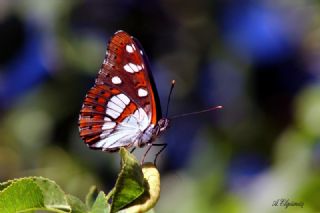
<point>259,59</point>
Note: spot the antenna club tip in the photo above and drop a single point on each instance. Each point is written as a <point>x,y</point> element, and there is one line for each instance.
<point>219,107</point>
<point>173,81</point>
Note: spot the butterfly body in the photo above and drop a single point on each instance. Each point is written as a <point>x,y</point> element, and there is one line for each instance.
<point>122,109</point>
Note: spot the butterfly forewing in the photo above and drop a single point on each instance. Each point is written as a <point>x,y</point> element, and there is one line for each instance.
<point>122,108</point>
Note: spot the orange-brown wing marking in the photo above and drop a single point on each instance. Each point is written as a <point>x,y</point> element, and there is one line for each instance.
<point>93,112</point>
<point>129,110</point>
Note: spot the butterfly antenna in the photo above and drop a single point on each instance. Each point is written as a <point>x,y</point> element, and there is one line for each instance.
<point>198,112</point>
<point>173,82</point>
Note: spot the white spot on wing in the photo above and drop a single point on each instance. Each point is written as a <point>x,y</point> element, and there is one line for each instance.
<point>141,52</point>
<point>124,98</point>
<point>142,118</point>
<point>108,125</point>
<point>128,68</point>
<point>142,92</point>
<point>129,48</point>
<point>114,107</point>
<point>116,80</point>
<point>112,113</point>
<point>132,68</point>
<point>133,130</point>
<point>115,99</point>
<point>106,119</point>
<point>135,67</point>
<point>101,143</point>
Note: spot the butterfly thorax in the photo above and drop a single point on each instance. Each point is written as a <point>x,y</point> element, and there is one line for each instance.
<point>151,133</point>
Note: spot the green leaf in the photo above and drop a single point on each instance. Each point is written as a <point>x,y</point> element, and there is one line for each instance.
<point>21,195</point>
<point>76,204</point>
<point>130,182</point>
<point>110,194</point>
<point>91,196</point>
<point>4,185</point>
<point>100,205</point>
<point>32,193</point>
<point>151,194</point>
<point>54,197</point>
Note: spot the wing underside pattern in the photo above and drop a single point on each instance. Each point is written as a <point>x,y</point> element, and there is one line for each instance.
<point>121,108</point>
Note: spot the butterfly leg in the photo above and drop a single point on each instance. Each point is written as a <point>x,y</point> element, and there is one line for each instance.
<point>164,145</point>
<point>134,148</point>
<point>145,154</point>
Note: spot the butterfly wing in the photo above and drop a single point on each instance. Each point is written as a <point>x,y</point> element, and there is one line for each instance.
<point>122,108</point>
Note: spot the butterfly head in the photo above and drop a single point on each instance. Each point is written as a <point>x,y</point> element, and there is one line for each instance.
<point>162,125</point>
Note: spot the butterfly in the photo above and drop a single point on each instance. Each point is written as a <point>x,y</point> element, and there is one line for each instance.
<point>122,109</point>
